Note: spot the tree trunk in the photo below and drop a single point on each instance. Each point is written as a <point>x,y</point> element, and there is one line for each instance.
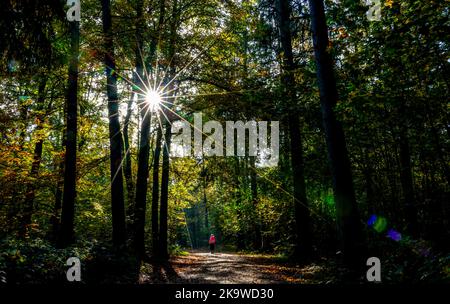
<point>115,134</point>
<point>346,208</point>
<point>258,243</point>
<point>163,211</point>
<point>55,218</point>
<point>66,236</point>
<point>303,246</point>
<point>406,180</point>
<point>205,205</point>
<point>155,194</point>
<point>237,185</point>
<point>142,181</point>
<point>144,147</point>
<point>203,176</point>
<point>157,154</point>
<point>144,142</point>
<point>127,155</point>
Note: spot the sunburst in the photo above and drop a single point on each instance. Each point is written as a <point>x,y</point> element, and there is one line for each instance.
<point>158,93</point>
<point>153,100</point>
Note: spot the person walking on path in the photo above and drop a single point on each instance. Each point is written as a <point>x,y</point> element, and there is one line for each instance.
<point>212,243</point>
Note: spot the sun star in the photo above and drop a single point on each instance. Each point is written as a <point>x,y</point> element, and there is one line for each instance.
<point>153,99</point>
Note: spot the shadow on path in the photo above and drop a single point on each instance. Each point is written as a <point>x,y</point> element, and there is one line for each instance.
<point>231,268</point>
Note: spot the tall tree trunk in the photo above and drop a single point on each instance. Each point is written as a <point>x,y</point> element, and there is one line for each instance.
<point>115,134</point>
<point>406,180</point>
<point>127,155</point>
<point>37,156</point>
<point>258,242</point>
<point>237,185</point>
<point>66,236</point>
<point>144,148</point>
<point>205,199</point>
<point>144,142</point>
<point>205,204</point>
<point>157,153</point>
<point>55,218</point>
<point>155,194</point>
<point>163,210</point>
<point>303,246</point>
<point>56,215</point>
<point>142,180</point>
<point>346,208</point>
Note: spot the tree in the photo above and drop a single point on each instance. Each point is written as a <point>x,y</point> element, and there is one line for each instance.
<point>303,248</point>
<point>257,242</point>
<point>144,148</point>
<point>155,193</point>
<point>70,168</point>
<point>346,209</point>
<point>115,133</point>
<point>127,169</point>
<point>144,142</point>
<point>163,210</point>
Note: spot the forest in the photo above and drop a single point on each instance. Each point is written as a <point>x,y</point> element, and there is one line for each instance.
<point>348,100</point>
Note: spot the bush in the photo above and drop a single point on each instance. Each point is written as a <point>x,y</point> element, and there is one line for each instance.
<point>36,261</point>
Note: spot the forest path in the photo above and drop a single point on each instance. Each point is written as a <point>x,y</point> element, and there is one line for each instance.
<point>231,268</point>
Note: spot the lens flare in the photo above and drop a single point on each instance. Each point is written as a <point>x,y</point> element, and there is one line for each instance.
<point>153,99</point>
<point>380,224</point>
<point>394,235</point>
<point>372,220</point>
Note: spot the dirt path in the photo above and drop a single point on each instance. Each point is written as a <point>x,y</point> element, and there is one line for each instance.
<point>231,268</point>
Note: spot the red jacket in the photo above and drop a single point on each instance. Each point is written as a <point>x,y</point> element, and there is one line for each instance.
<point>212,239</point>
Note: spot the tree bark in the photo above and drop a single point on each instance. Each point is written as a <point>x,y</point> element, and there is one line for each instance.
<point>115,134</point>
<point>346,209</point>
<point>144,142</point>
<point>56,216</point>
<point>303,245</point>
<point>155,194</point>
<point>258,242</point>
<point>144,147</point>
<point>205,199</point>
<point>142,180</point>
<point>163,211</point>
<point>127,172</point>
<point>406,180</point>
<point>69,193</point>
